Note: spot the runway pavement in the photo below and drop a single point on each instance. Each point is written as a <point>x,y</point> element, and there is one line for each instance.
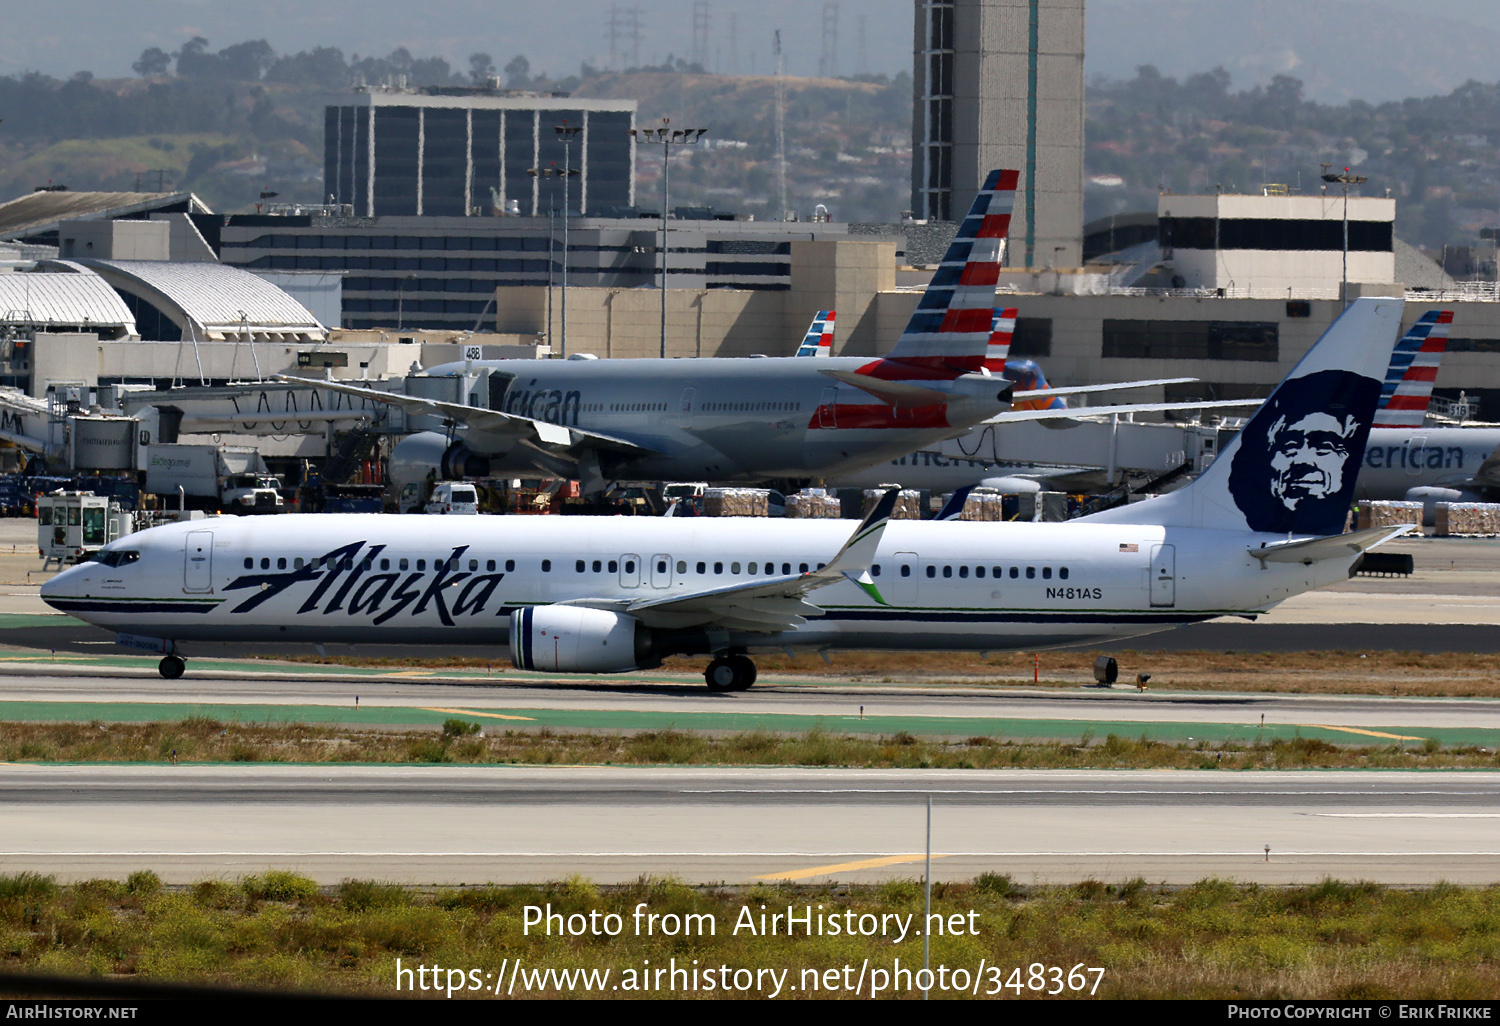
<point>306,695</point>
<point>453,825</point>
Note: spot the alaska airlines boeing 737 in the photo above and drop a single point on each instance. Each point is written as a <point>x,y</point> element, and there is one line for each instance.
<point>607,595</point>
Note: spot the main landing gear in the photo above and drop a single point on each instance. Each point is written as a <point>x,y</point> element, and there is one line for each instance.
<point>171,667</point>
<point>730,673</point>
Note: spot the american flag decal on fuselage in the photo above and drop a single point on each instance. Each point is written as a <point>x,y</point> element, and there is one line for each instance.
<point>1414,365</point>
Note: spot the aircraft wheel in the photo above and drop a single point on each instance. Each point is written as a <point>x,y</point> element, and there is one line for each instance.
<point>746,667</point>
<point>720,675</point>
<point>171,667</point>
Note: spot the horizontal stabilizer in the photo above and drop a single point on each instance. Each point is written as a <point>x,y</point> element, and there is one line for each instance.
<point>1101,411</point>
<point>1334,546</point>
<point>1043,393</point>
<point>903,395</point>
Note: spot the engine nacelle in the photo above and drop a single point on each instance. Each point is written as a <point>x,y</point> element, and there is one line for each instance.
<point>574,639</point>
<point>1430,495</point>
<point>428,453</point>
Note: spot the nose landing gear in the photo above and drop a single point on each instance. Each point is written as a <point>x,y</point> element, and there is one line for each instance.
<point>171,667</point>
<point>730,673</point>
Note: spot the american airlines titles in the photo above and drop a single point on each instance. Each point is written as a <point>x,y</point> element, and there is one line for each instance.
<point>552,405</point>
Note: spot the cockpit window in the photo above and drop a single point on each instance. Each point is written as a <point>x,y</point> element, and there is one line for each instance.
<point>116,557</point>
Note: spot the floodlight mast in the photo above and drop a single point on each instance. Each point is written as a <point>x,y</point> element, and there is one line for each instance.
<point>666,136</point>
<point>1346,179</point>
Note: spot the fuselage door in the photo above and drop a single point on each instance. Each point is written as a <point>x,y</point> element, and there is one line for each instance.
<point>630,570</point>
<point>1163,575</point>
<point>661,570</point>
<point>198,567</point>
<point>905,572</point>
<point>1416,455</point>
<point>828,409</point>
<point>685,407</point>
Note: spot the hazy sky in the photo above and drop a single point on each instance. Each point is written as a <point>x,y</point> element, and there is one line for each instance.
<point>1316,39</point>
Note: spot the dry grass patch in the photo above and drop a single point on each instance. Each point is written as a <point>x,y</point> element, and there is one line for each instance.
<point>1333,940</point>
<point>203,740</point>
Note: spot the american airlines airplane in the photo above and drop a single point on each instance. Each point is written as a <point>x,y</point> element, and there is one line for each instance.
<point>608,595</point>
<point>1408,460</point>
<point>737,420</point>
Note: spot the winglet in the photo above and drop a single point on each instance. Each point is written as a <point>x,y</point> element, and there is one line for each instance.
<point>955,504</point>
<point>854,559</point>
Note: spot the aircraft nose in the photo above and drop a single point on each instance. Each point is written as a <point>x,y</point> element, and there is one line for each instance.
<point>63,586</point>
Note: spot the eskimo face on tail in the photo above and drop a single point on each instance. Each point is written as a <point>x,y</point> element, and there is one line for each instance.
<point>1295,466</point>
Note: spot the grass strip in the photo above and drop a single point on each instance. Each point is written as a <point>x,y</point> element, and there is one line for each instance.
<point>202,739</point>
<point>1213,939</point>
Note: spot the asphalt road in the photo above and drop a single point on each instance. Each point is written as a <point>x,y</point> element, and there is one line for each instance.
<point>461,824</point>
<point>835,702</point>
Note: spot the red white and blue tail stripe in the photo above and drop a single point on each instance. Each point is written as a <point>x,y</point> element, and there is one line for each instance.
<point>819,340</point>
<point>1001,329</point>
<point>1414,365</point>
<point>951,327</point>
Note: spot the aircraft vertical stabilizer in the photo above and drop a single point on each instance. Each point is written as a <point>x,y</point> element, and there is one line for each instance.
<point>1291,470</point>
<point>819,339</point>
<point>950,329</point>
<point>1002,327</point>
<point>1414,365</point>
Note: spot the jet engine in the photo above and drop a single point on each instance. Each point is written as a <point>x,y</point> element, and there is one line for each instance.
<point>417,456</point>
<point>1430,495</point>
<point>575,639</point>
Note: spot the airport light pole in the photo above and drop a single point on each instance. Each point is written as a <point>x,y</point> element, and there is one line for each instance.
<point>566,133</point>
<point>549,172</point>
<point>1345,179</point>
<point>666,136</point>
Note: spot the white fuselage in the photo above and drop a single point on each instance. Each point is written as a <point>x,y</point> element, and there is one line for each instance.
<point>370,578</point>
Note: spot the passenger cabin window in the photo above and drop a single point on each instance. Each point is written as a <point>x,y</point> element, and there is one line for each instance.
<point>281,563</point>
<point>546,566</point>
<point>932,571</point>
<point>905,570</point>
<point>1046,573</point>
<point>510,565</point>
<point>579,566</point>
<point>1062,573</point>
<point>1030,573</point>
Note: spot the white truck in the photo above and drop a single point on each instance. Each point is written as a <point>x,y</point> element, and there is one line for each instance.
<point>232,479</point>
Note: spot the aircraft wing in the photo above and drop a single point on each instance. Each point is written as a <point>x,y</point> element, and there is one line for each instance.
<point>1042,393</point>
<point>769,605</point>
<point>1100,411</point>
<point>524,430</point>
<point>1488,474</point>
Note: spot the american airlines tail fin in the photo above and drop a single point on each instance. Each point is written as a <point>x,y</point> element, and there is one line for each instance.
<point>950,329</point>
<point>819,338</point>
<point>1002,327</point>
<point>1414,365</point>
<point>1291,470</point>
